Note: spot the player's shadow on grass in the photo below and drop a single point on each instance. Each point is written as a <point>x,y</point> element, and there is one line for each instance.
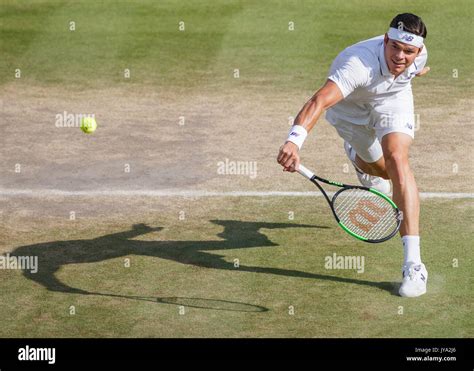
<point>52,256</point>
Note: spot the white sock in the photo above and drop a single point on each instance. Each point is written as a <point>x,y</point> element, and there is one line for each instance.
<point>411,249</point>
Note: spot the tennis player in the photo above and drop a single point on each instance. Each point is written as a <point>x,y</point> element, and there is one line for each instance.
<point>368,100</point>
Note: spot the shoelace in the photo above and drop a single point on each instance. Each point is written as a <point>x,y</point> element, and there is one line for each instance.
<point>371,178</point>
<point>412,272</point>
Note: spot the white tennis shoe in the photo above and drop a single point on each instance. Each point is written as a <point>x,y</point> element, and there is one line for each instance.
<point>415,277</point>
<point>367,180</point>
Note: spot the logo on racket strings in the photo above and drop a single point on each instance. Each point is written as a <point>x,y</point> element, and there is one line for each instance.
<point>366,214</point>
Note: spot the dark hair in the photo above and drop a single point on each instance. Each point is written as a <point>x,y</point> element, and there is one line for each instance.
<point>411,23</point>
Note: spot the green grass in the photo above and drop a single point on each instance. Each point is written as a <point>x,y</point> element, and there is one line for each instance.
<point>281,264</point>
<point>191,263</point>
<point>109,37</point>
<point>219,37</point>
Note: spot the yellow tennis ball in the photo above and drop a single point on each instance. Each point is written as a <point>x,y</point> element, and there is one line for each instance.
<point>88,125</point>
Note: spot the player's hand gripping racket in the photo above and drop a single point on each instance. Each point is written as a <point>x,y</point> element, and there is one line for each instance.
<point>362,212</point>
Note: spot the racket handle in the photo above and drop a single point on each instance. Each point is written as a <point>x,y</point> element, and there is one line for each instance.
<point>305,172</point>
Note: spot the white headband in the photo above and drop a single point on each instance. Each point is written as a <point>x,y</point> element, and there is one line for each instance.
<point>405,37</point>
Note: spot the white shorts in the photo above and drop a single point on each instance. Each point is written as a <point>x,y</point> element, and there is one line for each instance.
<point>390,116</point>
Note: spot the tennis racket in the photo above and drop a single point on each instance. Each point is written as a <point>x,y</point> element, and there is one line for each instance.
<point>363,212</point>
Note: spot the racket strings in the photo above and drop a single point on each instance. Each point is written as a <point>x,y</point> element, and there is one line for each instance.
<point>365,213</point>
<point>370,224</point>
<point>382,228</point>
<point>367,224</point>
<point>386,224</point>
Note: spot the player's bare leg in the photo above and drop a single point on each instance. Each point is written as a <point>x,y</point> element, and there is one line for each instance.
<point>405,194</point>
<point>376,168</point>
<point>372,175</point>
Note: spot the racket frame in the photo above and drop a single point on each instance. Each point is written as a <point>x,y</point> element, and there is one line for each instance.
<point>314,179</point>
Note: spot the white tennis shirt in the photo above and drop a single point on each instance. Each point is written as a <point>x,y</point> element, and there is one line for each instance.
<point>362,74</point>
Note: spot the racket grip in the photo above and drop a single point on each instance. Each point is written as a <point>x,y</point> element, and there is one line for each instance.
<point>305,172</point>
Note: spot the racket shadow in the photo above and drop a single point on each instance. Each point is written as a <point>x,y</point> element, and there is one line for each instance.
<point>52,256</point>
<point>191,302</point>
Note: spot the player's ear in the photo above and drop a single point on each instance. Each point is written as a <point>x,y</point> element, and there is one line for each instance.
<point>419,50</point>
<point>385,39</point>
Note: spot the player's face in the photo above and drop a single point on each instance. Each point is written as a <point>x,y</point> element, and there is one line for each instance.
<point>399,56</point>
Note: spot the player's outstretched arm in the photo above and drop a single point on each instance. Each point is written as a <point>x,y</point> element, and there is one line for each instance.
<point>324,98</point>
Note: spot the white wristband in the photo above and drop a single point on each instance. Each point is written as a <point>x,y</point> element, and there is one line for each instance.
<point>297,135</point>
